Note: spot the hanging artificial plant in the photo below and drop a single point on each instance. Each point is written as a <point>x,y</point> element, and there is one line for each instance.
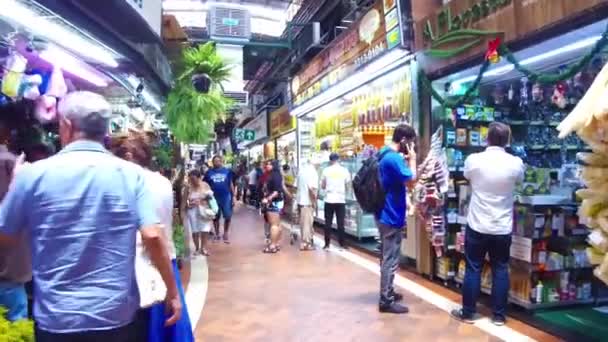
<point>197,102</point>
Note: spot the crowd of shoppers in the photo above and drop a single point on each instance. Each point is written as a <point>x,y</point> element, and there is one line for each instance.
<point>90,206</point>
<point>102,237</point>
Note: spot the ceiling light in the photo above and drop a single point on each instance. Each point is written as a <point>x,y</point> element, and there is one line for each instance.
<point>14,11</point>
<point>538,58</point>
<point>61,59</point>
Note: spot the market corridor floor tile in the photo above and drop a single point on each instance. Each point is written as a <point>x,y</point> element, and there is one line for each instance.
<point>311,296</point>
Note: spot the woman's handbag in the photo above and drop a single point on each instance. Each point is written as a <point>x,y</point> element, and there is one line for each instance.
<point>151,287</point>
<point>209,212</point>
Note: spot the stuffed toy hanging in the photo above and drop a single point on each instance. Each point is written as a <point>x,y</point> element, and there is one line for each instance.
<point>46,108</point>
<point>559,95</point>
<point>13,75</point>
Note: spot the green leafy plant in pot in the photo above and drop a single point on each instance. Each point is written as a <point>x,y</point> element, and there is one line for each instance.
<point>197,100</point>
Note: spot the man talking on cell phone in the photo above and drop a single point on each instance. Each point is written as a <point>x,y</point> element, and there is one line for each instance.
<point>397,171</point>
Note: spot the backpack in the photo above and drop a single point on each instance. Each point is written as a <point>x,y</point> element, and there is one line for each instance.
<point>368,186</point>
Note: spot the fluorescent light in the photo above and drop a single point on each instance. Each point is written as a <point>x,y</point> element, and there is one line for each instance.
<point>374,70</point>
<point>538,58</point>
<point>61,59</point>
<point>16,12</point>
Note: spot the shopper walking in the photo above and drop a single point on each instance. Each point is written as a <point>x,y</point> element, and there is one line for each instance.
<point>88,207</point>
<point>272,204</point>
<point>493,175</point>
<point>198,195</point>
<point>306,197</point>
<point>334,180</point>
<point>252,183</point>
<point>137,149</point>
<point>221,180</point>
<point>397,171</point>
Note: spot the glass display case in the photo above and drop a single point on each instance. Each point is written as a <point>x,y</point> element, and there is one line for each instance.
<point>357,223</point>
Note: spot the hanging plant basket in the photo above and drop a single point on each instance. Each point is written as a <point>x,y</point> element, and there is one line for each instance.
<point>201,83</point>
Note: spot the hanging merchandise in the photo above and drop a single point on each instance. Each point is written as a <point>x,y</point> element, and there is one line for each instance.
<point>30,87</point>
<point>46,108</point>
<point>589,120</point>
<point>431,187</point>
<point>13,74</point>
<point>57,86</point>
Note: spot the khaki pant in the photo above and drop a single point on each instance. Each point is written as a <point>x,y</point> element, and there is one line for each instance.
<point>306,222</point>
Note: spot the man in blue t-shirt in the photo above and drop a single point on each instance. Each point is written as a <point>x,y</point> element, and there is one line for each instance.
<point>397,170</point>
<point>221,180</point>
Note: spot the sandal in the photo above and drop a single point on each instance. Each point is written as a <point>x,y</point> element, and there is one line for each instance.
<point>270,250</point>
<point>205,253</point>
<point>307,247</point>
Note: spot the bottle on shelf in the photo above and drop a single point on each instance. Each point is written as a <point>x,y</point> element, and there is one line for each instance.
<point>539,292</point>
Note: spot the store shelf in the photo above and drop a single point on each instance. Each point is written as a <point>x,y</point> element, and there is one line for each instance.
<point>544,200</point>
<point>535,306</point>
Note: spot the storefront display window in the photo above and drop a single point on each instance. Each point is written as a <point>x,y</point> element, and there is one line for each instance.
<point>356,125</point>
<point>549,265</point>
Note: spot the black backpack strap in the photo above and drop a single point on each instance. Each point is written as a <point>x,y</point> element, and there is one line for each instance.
<point>384,153</point>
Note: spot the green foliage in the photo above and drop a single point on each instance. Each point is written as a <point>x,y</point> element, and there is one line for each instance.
<point>191,116</point>
<point>19,331</point>
<point>163,155</point>
<point>179,240</point>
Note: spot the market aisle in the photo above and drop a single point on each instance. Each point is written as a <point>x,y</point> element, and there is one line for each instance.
<point>317,296</point>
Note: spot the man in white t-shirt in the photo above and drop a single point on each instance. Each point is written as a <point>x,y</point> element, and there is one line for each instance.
<point>493,175</point>
<point>334,181</point>
<point>306,197</point>
<point>252,182</point>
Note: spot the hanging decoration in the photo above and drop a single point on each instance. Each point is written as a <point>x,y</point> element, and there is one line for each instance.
<point>532,76</point>
<point>492,54</point>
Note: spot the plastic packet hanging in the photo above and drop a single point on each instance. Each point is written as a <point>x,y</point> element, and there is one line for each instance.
<point>57,86</point>
<point>14,69</point>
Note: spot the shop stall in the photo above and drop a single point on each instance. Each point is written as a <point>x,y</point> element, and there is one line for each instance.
<point>283,137</point>
<point>349,98</point>
<point>558,48</point>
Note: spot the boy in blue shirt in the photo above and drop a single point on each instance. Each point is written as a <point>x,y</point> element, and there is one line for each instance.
<point>221,180</point>
<point>397,170</point>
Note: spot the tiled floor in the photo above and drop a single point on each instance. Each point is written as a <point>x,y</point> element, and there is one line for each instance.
<point>311,296</point>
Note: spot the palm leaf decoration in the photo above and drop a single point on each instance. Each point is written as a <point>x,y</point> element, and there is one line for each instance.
<point>191,115</point>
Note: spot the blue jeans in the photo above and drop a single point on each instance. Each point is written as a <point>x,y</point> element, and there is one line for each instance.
<point>476,246</point>
<point>14,298</point>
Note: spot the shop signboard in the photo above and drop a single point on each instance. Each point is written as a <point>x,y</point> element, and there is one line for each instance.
<point>461,29</point>
<point>375,33</point>
<point>281,122</point>
<point>256,129</point>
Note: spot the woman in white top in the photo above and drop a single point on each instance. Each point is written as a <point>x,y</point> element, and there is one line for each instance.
<point>136,148</point>
<point>198,194</point>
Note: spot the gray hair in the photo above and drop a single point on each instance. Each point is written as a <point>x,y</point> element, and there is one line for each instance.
<point>88,112</point>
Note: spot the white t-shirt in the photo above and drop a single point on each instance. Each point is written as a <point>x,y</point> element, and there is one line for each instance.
<point>253,177</point>
<point>162,191</point>
<point>336,177</point>
<point>307,179</point>
<point>493,175</point>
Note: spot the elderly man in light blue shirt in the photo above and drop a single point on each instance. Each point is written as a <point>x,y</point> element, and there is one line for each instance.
<point>82,209</point>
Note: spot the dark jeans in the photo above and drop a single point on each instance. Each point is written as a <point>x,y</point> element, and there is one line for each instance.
<point>340,210</point>
<point>475,248</point>
<point>390,252</point>
<point>128,333</point>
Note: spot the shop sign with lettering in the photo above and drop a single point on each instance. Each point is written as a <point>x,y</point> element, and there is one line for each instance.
<point>281,122</point>
<point>375,33</point>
